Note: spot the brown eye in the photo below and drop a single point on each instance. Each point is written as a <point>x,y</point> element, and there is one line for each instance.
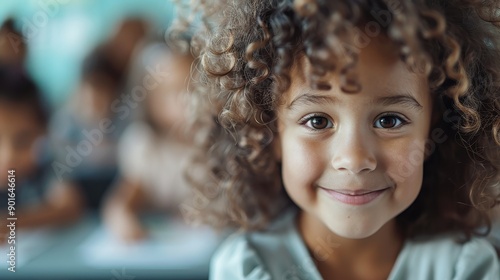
<point>318,122</point>
<point>389,122</point>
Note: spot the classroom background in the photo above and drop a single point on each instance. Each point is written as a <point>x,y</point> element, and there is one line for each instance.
<point>91,202</point>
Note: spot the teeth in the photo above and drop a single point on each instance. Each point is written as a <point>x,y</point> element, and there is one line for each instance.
<point>358,194</point>
<point>344,192</point>
<point>353,194</point>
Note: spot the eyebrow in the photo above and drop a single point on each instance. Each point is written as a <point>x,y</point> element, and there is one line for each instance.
<point>404,99</point>
<point>308,98</point>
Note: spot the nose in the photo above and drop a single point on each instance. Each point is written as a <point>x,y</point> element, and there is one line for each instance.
<point>354,152</point>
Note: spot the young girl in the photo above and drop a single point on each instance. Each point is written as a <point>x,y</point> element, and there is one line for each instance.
<point>86,129</point>
<point>378,119</point>
<point>152,150</point>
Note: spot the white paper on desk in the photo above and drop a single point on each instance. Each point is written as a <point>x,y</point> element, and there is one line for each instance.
<point>29,244</point>
<point>172,245</point>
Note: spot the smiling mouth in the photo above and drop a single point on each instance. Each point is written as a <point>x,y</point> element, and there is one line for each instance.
<point>355,197</point>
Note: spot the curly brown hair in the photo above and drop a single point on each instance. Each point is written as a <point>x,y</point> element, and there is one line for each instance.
<point>246,50</point>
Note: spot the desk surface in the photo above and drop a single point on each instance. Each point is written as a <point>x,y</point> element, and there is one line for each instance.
<point>87,251</point>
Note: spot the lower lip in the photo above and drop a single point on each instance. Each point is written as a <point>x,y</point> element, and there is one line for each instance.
<point>355,199</point>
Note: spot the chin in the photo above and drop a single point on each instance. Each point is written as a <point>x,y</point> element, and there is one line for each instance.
<point>354,231</point>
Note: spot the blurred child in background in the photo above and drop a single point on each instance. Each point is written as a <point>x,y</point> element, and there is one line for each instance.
<point>39,200</point>
<point>85,131</point>
<point>24,150</point>
<point>153,150</point>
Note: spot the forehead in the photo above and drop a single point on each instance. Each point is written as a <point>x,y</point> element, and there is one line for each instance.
<point>379,70</point>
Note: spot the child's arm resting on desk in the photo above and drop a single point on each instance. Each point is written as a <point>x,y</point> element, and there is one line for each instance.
<point>63,204</point>
<point>121,209</point>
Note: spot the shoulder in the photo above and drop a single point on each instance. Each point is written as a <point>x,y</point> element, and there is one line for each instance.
<point>137,136</point>
<point>137,130</point>
<point>478,260</point>
<point>276,253</point>
<point>63,125</point>
<point>236,259</point>
<point>133,147</point>
<point>445,258</point>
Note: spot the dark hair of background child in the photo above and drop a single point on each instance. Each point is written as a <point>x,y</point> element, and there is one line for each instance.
<point>17,87</point>
<point>98,66</point>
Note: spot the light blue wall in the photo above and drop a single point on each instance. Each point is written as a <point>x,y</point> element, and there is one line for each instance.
<point>61,32</point>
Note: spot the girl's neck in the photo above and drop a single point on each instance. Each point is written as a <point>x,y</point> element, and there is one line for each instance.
<point>342,258</point>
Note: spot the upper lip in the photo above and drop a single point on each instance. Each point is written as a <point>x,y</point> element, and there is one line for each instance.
<point>356,191</point>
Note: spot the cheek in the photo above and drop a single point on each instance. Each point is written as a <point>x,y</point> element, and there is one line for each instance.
<point>302,165</point>
<point>405,168</point>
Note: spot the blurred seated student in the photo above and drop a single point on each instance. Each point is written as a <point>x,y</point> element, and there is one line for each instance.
<point>153,150</point>
<point>24,154</point>
<point>85,131</point>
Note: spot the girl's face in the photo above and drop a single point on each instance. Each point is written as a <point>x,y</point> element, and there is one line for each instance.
<point>167,103</point>
<point>353,161</point>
